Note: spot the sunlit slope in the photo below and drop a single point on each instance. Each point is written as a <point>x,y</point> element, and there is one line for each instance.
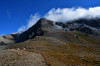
<point>64,48</point>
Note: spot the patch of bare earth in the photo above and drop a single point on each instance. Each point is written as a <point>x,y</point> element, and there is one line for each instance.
<point>12,57</point>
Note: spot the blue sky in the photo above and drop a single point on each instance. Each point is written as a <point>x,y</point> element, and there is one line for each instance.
<point>15,13</point>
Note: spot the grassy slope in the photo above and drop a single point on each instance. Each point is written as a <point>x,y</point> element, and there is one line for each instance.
<point>61,49</point>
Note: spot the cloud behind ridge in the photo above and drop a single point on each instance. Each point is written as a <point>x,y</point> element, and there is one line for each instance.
<point>67,14</point>
<point>33,19</point>
<point>64,15</point>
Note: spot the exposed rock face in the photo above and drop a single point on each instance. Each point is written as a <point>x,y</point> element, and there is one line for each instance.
<point>90,22</point>
<point>41,27</point>
<point>91,26</point>
<point>44,26</point>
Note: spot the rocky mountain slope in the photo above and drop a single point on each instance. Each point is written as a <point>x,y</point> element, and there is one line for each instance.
<point>88,26</point>
<point>40,28</point>
<point>7,40</point>
<point>60,44</point>
<point>44,26</point>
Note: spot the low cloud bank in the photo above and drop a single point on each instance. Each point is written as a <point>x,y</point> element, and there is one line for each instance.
<point>67,14</point>
<point>21,29</point>
<point>64,15</point>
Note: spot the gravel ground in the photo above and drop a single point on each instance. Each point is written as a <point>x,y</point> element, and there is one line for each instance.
<point>12,57</point>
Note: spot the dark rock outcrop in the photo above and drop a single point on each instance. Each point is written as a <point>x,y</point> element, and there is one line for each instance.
<point>41,27</point>
<point>88,26</point>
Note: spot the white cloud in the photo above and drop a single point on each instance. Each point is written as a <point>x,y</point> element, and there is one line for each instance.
<point>33,19</point>
<point>67,14</point>
<point>64,15</point>
<point>21,29</point>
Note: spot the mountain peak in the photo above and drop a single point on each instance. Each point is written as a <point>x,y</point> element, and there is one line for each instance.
<point>42,26</point>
